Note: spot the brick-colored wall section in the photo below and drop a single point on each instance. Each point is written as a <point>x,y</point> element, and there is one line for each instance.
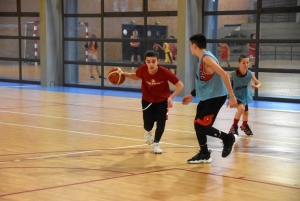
<point>225,5</point>
<point>113,26</point>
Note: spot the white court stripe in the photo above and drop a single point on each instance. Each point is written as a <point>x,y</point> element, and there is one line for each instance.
<point>129,125</point>
<point>82,152</point>
<point>85,133</point>
<point>285,159</point>
<point>77,132</point>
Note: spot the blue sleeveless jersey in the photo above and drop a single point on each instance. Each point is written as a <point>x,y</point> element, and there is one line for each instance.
<point>241,87</point>
<point>208,85</point>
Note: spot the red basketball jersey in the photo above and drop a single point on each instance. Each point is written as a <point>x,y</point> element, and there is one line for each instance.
<point>155,88</point>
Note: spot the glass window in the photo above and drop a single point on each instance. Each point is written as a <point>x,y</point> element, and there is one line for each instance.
<point>123,52</point>
<point>83,6</point>
<point>161,27</point>
<point>8,6</point>
<point>30,71</point>
<point>123,5</point>
<point>279,55</point>
<point>9,48</point>
<point>229,26</point>
<point>83,74</point>
<point>123,27</point>
<point>30,26</point>
<point>82,27</point>
<point>9,69</point>
<point>162,5</point>
<point>29,5</point>
<point>280,85</point>
<point>30,48</point>
<point>288,23</point>
<point>78,51</point>
<point>8,26</point>
<point>228,53</point>
<point>278,3</point>
<point>223,5</point>
<point>167,51</point>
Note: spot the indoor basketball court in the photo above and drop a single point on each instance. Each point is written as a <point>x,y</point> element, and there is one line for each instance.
<point>65,143</point>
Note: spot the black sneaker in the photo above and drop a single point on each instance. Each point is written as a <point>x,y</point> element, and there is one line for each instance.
<point>229,145</point>
<point>100,77</point>
<point>247,130</point>
<point>92,78</point>
<point>233,130</point>
<point>201,158</point>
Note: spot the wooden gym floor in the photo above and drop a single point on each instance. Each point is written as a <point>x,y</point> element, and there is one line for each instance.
<point>71,144</point>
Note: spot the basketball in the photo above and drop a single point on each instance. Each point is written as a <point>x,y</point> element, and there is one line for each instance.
<point>155,47</point>
<point>116,76</point>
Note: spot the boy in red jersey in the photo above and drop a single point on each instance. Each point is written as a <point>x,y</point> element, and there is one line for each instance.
<point>156,96</point>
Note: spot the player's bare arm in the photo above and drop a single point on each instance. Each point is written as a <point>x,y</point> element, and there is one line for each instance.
<point>178,87</point>
<point>210,67</point>
<point>187,99</point>
<point>256,84</point>
<point>131,76</point>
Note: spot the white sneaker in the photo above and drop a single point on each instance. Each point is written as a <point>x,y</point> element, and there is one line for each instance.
<point>156,149</point>
<point>148,137</point>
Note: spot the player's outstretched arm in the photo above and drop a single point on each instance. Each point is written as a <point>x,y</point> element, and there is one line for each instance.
<point>131,76</point>
<point>187,99</point>
<point>208,61</point>
<point>256,84</point>
<point>178,87</point>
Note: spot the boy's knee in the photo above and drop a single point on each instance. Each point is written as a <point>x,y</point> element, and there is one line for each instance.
<point>199,127</point>
<point>241,108</point>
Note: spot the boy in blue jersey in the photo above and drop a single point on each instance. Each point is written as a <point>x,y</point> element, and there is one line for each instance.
<point>211,84</point>
<point>240,81</point>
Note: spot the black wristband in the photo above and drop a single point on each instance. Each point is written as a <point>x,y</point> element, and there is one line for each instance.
<point>193,93</point>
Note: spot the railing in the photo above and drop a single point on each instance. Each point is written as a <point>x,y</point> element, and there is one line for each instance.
<point>281,52</point>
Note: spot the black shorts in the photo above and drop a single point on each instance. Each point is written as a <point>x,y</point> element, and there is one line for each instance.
<point>208,110</point>
<point>153,111</point>
<point>135,51</point>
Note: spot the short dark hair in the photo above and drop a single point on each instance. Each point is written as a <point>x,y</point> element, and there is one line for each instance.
<point>199,40</point>
<point>242,56</point>
<point>172,37</point>
<point>151,53</point>
<point>251,35</point>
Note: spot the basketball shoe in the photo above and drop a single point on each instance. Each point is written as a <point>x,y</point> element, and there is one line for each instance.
<point>92,78</point>
<point>247,130</point>
<point>233,130</point>
<point>148,137</point>
<point>156,149</point>
<point>229,145</point>
<point>201,158</point>
<point>100,77</point>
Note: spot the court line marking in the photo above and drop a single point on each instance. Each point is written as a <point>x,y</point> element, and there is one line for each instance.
<point>151,172</point>
<point>129,125</point>
<point>81,152</point>
<point>88,151</point>
<point>111,136</point>
<point>196,103</point>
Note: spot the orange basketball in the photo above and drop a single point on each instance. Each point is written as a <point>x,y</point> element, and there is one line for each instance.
<point>116,76</point>
<point>155,47</point>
